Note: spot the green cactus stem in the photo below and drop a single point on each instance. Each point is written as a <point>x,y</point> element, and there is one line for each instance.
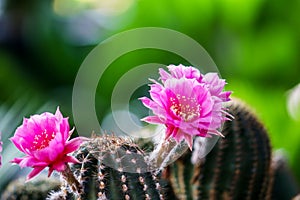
<point>112,168</point>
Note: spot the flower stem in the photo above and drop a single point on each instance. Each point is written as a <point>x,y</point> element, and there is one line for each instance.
<point>71,180</point>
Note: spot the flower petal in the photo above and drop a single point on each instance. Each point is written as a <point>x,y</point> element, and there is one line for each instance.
<point>189,140</point>
<point>44,140</point>
<point>34,172</point>
<point>152,120</point>
<point>59,166</point>
<point>73,144</point>
<point>31,162</point>
<point>71,159</point>
<point>16,160</point>
<point>187,102</point>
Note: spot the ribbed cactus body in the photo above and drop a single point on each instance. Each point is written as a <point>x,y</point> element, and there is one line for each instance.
<point>238,167</point>
<point>112,168</point>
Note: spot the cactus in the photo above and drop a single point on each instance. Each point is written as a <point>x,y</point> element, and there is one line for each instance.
<point>112,168</point>
<point>34,190</point>
<point>238,167</point>
<point>285,185</point>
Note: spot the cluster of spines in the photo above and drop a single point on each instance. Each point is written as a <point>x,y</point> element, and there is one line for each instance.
<point>238,167</point>
<point>112,168</point>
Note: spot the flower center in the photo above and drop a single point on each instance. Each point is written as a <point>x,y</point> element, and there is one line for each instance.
<point>187,108</point>
<point>42,140</point>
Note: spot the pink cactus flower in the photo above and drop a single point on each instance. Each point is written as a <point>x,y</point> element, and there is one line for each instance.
<point>45,140</point>
<point>188,103</point>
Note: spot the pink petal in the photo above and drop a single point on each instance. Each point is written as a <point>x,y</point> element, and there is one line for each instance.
<point>225,95</point>
<point>152,120</point>
<point>156,92</point>
<point>65,129</point>
<point>32,162</point>
<point>164,75</point>
<point>171,131</point>
<point>59,166</point>
<point>42,155</point>
<point>49,123</point>
<point>156,108</point>
<point>148,102</point>
<point>73,144</point>
<point>168,104</point>
<point>16,141</point>
<point>71,159</point>
<point>51,169</point>
<point>189,140</point>
<point>58,114</point>
<point>55,150</point>
<point>71,132</point>
<point>215,132</point>
<point>182,71</point>
<point>16,160</point>
<point>59,138</point>
<point>34,172</point>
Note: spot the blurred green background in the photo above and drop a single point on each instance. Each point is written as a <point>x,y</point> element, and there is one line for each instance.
<point>255,45</point>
